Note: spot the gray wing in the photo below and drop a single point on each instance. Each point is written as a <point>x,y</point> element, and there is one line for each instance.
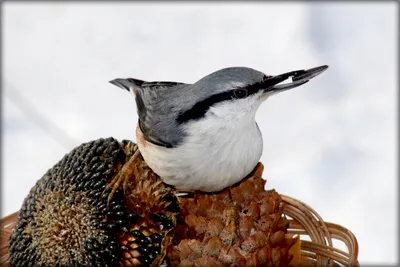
<point>157,111</point>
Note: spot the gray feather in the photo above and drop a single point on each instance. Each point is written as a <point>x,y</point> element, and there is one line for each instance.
<point>156,116</point>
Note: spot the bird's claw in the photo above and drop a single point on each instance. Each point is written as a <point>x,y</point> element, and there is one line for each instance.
<point>113,185</point>
<point>185,193</point>
<point>122,177</point>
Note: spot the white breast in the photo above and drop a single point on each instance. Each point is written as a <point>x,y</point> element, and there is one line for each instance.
<point>216,154</point>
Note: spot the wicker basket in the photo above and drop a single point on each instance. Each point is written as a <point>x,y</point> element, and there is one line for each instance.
<point>303,221</point>
<point>320,251</point>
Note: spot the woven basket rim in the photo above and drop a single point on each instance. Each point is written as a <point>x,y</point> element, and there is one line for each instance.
<point>305,221</point>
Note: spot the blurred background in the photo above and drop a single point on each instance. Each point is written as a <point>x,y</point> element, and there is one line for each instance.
<point>331,143</point>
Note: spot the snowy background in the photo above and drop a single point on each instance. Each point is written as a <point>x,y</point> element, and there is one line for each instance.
<point>331,143</point>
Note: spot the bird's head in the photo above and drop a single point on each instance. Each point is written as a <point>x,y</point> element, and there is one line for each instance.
<point>237,92</point>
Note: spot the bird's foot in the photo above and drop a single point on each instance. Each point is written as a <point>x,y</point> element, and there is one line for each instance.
<point>122,177</point>
<point>185,193</point>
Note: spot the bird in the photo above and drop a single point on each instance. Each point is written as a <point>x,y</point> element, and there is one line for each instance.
<point>203,136</point>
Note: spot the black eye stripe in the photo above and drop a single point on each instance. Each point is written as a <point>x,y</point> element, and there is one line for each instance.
<point>201,108</point>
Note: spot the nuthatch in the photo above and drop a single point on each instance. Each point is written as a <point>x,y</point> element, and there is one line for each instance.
<point>204,136</point>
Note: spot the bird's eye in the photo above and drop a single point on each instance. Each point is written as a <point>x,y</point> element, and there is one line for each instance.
<point>240,93</point>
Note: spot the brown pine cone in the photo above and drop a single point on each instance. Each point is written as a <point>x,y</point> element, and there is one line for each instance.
<point>239,226</point>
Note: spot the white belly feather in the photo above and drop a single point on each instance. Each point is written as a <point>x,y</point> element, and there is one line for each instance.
<point>214,155</point>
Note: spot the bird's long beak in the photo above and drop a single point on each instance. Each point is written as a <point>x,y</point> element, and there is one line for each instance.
<point>123,83</point>
<point>274,84</point>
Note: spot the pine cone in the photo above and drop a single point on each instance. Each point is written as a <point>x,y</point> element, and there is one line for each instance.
<point>65,221</point>
<point>241,226</point>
